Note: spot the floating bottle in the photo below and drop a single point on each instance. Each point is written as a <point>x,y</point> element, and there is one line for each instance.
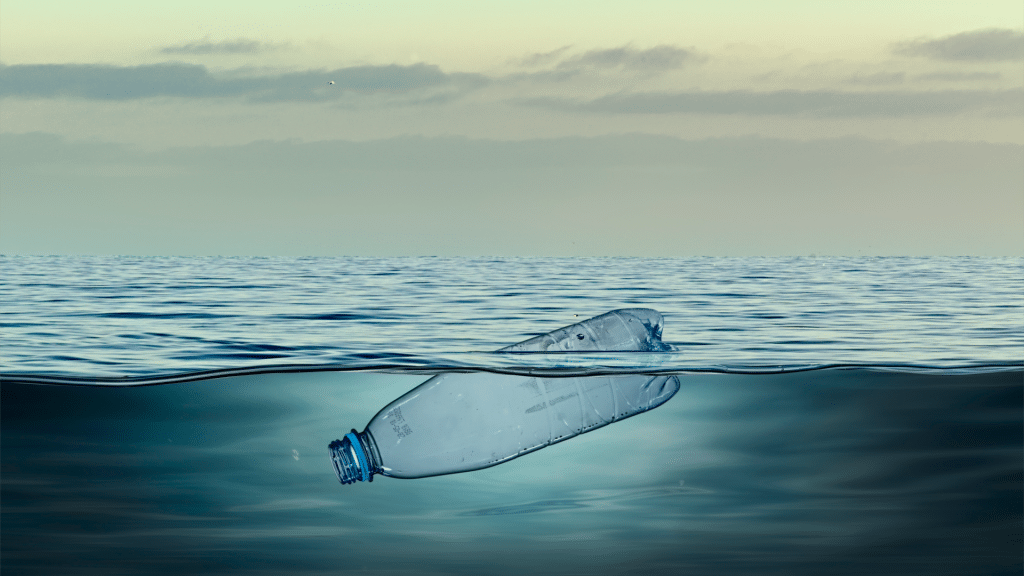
<point>626,330</point>
<point>458,422</point>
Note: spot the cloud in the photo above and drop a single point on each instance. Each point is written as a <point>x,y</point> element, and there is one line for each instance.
<point>105,82</point>
<point>960,76</point>
<point>988,45</point>
<point>657,59</point>
<point>878,78</point>
<point>543,58</point>
<point>795,102</point>
<point>239,46</point>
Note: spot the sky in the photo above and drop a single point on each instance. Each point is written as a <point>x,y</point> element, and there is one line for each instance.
<point>557,128</point>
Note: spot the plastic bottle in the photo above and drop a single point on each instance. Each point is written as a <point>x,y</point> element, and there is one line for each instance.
<point>457,422</point>
<point>625,330</point>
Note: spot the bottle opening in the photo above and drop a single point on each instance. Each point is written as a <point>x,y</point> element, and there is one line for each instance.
<point>349,460</point>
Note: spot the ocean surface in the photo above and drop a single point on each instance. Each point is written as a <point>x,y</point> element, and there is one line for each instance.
<point>835,415</point>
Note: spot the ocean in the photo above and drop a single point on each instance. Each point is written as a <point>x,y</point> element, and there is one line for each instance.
<point>846,415</point>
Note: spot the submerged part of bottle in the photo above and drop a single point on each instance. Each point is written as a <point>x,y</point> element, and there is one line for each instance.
<point>625,330</point>
<point>350,459</point>
<point>459,422</point>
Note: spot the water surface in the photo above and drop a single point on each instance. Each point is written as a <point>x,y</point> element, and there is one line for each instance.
<point>135,316</point>
<point>761,464</point>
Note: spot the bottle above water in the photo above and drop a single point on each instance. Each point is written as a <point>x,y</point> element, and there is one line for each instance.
<point>626,330</point>
<point>458,422</point>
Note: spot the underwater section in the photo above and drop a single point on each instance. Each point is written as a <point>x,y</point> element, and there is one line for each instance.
<point>840,471</point>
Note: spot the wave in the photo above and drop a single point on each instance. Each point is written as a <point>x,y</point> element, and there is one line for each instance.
<point>548,365</point>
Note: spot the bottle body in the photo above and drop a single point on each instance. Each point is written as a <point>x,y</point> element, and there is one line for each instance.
<point>625,330</point>
<point>457,422</point>
<point>460,422</point>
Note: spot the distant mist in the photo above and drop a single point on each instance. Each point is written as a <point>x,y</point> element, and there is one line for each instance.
<point>614,195</point>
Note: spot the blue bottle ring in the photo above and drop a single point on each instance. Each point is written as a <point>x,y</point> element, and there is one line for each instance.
<point>364,464</point>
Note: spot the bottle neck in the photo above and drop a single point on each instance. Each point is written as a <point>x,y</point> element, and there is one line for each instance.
<point>355,457</point>
<point>370,449</point>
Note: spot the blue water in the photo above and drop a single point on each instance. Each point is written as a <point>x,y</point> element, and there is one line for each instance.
<point>133,316</point>
<point>905,460</point>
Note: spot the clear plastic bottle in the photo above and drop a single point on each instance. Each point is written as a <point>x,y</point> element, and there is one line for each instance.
<point>625,330</point>
<point>457,422</point>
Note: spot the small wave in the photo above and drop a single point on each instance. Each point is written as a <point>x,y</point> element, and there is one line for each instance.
<point>155,315</point>
<point>414,365</point>
<point>334,316</point>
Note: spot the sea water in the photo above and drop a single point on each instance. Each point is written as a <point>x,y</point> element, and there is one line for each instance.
<point>843,415</point>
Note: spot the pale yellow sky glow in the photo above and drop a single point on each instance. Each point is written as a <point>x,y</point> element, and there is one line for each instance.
<point>102,99</point>
<point>474,36</point>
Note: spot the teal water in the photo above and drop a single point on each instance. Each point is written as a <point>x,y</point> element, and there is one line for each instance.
<point>120,454</point>
<point>109,316</point>
<point>835,471</point>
